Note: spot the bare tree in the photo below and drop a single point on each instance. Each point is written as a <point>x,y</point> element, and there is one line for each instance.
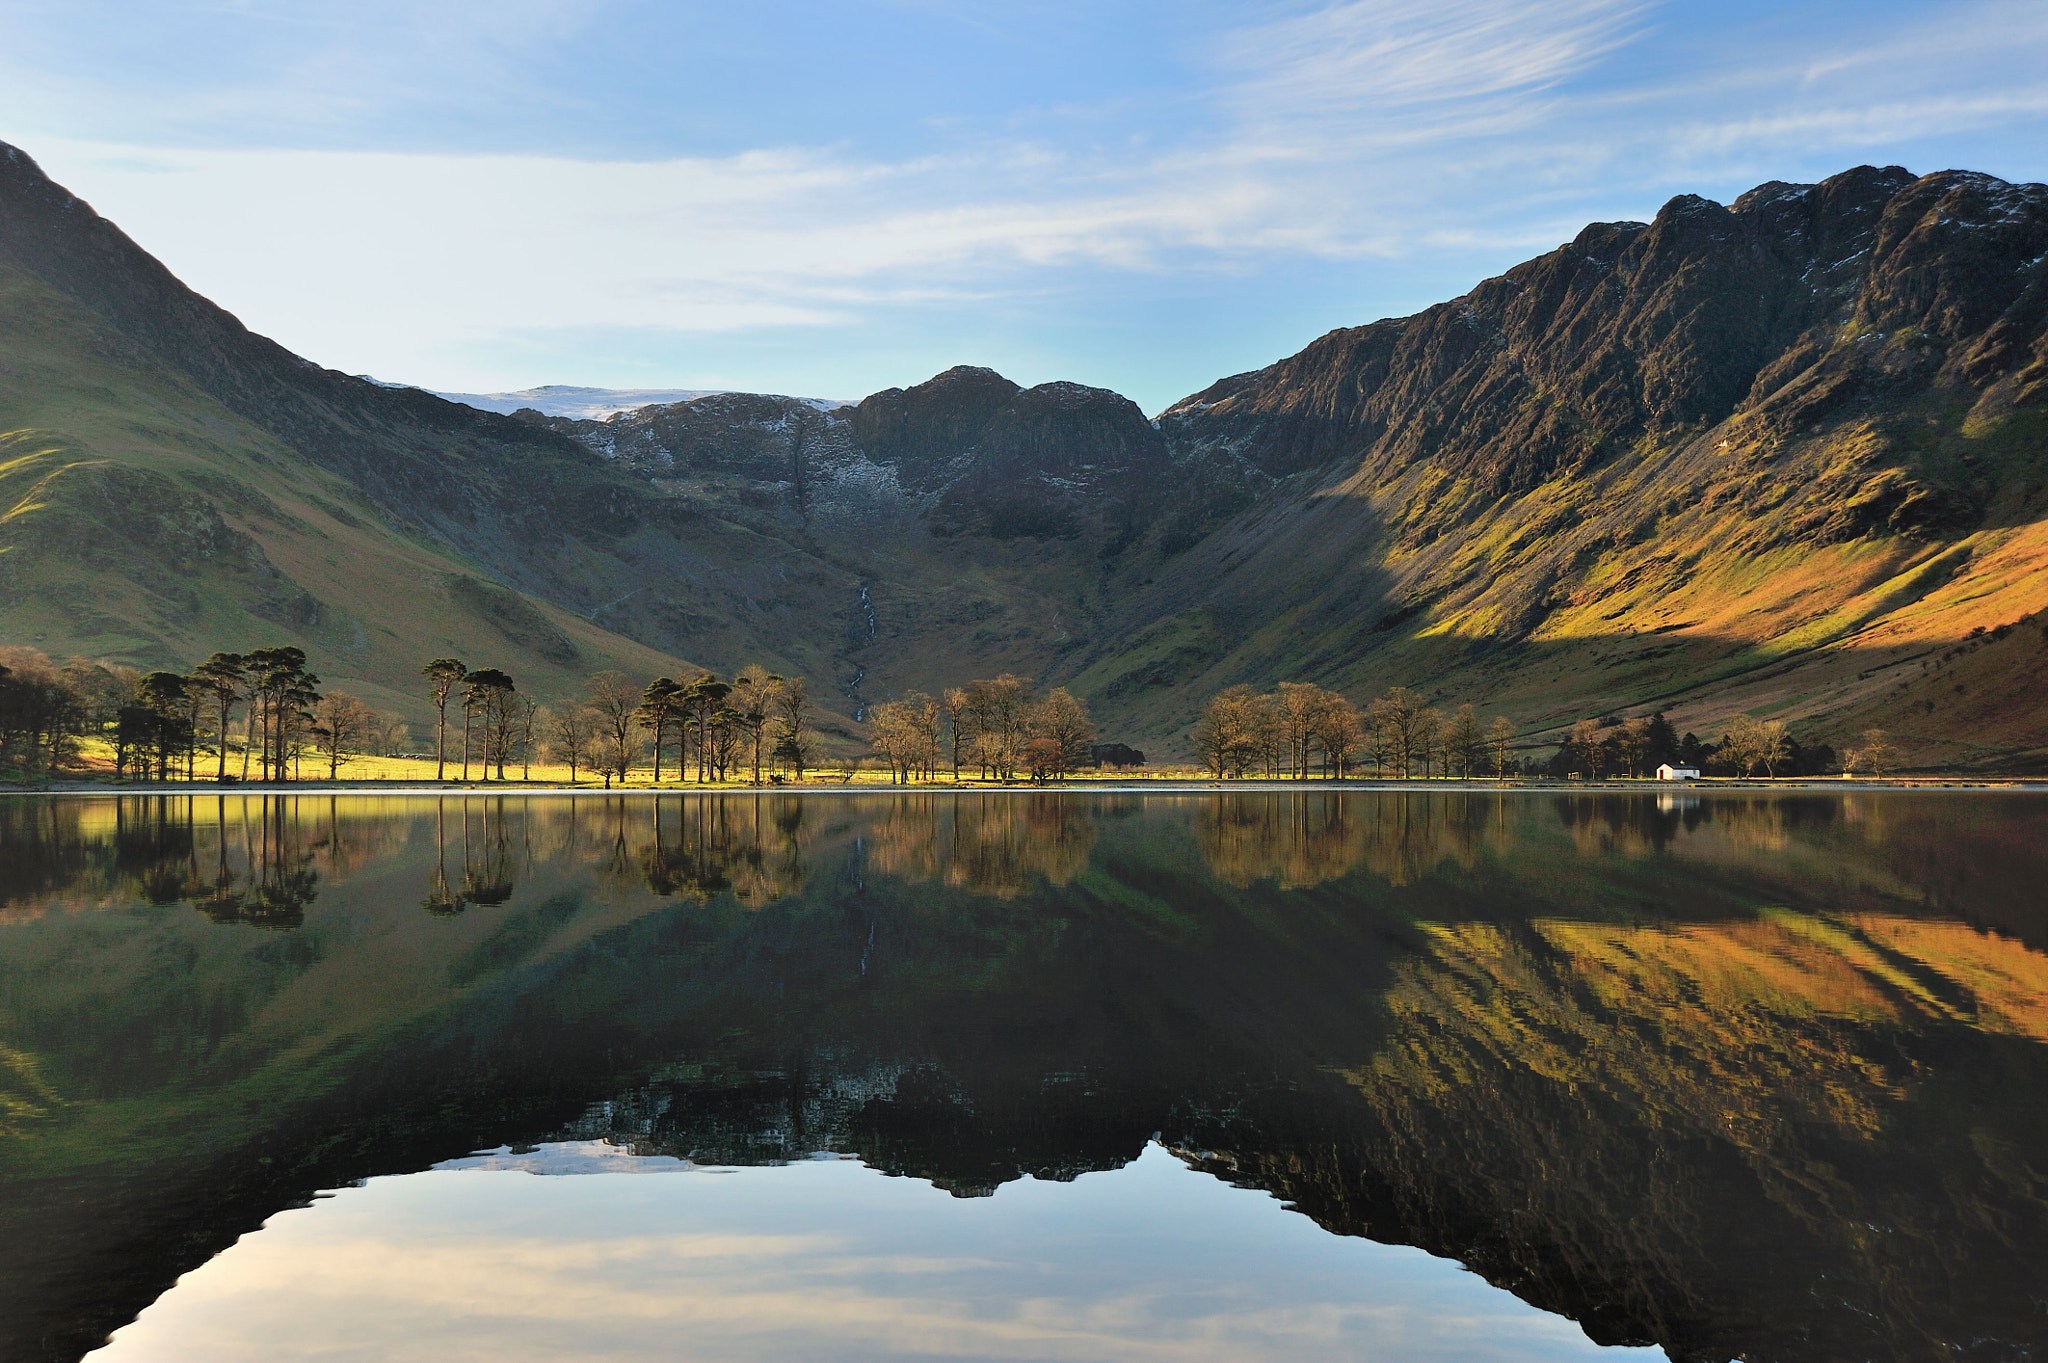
<point>614,701</point>
<point>791,711</point>
<point>569,733</point>
<point>959,724</point>
<point>1773,745</point>
<point>1399,717</point>
<point>1429,732</point>
<point>1340,733</point>
<point>1463,742</point>
<point>1751,743</point>
<point>1235,730</point>
<point>1877,753</point>
<point>1299,704</point>
<point>525,729</point>
<point>1062,721</point>
<point>999,709</point>
<point>1632,744</point>
<point>753,695</point>
<point>1587,747</point>
<point>1500,737</point>
<point>339,723</point>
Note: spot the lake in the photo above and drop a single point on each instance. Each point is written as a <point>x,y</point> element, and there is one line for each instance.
<point>1024,1075</point>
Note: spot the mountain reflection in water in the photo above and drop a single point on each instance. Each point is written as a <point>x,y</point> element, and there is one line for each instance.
<point>1753,1076</point>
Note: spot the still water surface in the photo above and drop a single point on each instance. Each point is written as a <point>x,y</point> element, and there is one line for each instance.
<point>1024,1076</point>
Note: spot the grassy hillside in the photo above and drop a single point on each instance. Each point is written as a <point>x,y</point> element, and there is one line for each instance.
<point>147,524</point>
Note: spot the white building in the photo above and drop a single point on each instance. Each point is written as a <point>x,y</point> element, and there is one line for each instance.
<point>1667,772</point>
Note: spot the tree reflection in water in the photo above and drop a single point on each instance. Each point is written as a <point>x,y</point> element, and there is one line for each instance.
<point>998,844</point>
<point>236,859</point>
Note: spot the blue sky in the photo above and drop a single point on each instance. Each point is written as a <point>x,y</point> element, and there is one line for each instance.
<point>827,199</point>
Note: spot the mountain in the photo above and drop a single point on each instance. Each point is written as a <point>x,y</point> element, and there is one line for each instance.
<point>561,399</point>
<point>1780,456</point>
<point>1783,456</point>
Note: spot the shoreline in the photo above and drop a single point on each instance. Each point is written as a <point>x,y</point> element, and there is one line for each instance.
<point>1125,786</point>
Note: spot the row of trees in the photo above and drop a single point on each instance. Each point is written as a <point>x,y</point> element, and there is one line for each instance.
<point>1299,728</point>
<point>1752,746</point>
<point>160,723</point>
<point>995,724</point>
<point>163,724</point>
<point>722,727</point>
<point>260,714</point>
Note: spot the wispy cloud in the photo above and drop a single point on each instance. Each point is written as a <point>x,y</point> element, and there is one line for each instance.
<point>1385,55</point>
<point>1367,131</point>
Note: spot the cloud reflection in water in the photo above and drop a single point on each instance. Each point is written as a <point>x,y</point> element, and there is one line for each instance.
<point>822,1259</point>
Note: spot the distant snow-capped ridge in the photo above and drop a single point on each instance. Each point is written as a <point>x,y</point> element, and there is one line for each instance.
<point>595,404</point>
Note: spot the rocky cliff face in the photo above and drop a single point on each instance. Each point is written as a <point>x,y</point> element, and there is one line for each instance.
<point>968,451</point>
<point>1870,284</point>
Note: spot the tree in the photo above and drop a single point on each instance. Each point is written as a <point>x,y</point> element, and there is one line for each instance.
<point>1042,759</point>
<point>1398,716</point>
<point>1752,742</point>
<point>905,734</point>
<point>1299,705</point>
<point>1773,745</point>
<point>524,732</point>
<point>959,724</point>
<point>339,722</point>
<point>659,706</point>
<point>569,733</point>
<point>1233,730</point>
<point>135,737</point>
<point>164,695</point>
<point>283,691</point>
<point>43,712</point>
<point>791,715</point>
<point>1061,720</point>
<point>753,697</point>
<point>999,710</point>
<point>1500,737</point>
<point>1340,733</point>
<point>1463,741</point>
<point>702,698</point>
<point>443,676</point>
<point>723,737</point>
<point>1632,744</point>
<point>1877,753</point>
<point>613,701</point>
<point>1664,745</point>
<point>1428,729</point>
<point>488,694</point>
<point>1586,747</point>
